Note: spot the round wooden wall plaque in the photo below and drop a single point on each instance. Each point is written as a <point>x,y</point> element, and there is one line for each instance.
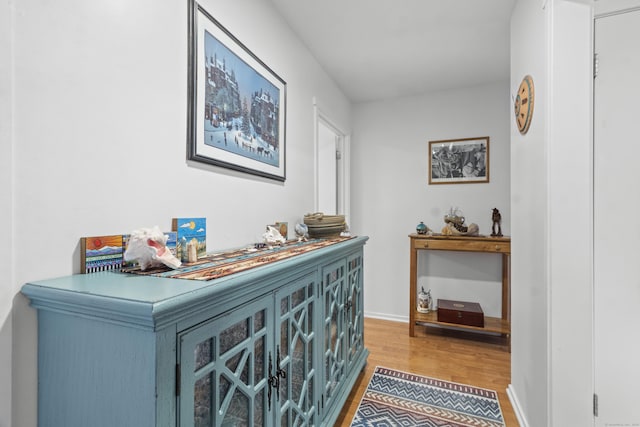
<point>523,106</point>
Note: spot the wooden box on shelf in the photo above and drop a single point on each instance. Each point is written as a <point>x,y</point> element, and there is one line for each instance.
<point>460,312</point>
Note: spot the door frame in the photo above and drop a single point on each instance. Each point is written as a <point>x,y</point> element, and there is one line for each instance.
<point>343,178</point>
<point>614,7</point>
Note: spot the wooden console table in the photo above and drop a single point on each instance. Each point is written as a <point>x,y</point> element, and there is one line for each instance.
<point>499,245</point>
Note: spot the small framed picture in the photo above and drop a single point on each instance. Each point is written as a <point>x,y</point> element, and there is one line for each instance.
<point>459,161</point>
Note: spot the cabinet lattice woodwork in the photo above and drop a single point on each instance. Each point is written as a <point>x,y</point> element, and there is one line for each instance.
<point>279,345</point>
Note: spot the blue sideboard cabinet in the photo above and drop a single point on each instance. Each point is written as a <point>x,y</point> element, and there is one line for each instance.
<point>278,345</point>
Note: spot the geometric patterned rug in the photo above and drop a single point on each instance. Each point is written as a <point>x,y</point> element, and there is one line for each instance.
<point>395,398</point>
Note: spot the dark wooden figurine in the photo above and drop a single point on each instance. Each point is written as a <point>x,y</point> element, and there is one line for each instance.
<point>496,218</point>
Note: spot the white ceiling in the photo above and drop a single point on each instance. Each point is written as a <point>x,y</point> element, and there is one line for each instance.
<point>378,49</point>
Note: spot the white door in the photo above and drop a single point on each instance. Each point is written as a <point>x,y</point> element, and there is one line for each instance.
<point>327,170</point>
<point>617,219</point>
<point>332,174</point>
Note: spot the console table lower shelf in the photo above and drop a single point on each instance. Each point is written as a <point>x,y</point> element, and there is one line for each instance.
<point>479,244</point>
<point>494,325</point>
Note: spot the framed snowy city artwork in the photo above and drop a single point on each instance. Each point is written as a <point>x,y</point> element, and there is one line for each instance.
<point>459,161</point>
<point>237,104</point>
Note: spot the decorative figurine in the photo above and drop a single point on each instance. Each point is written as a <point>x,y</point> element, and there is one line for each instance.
<point>454,216</point>
<point>346,232</point>
<point>454,225</point>
<point>425,302</point>
<point>496,218</point>
<point>453,229</point>
<point>302,231</point>
<point>422,228</point>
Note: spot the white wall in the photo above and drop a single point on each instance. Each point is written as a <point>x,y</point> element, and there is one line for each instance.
<point>99,122</point>
<point>529,208</point>
<point>551,359</point>
<point>6,208</point>
<point>391,195</point>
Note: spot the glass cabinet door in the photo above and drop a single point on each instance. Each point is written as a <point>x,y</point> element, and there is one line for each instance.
<point>223,368</point>
<point>354,309</point>
<point>333,284</point>
<point>295,351</point>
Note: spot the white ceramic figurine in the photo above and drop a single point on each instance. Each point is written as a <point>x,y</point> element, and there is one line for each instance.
<point>302,231</point>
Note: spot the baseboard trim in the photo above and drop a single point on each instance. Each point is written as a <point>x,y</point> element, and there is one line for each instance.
<point>517,408</point>
<point>385,316</point>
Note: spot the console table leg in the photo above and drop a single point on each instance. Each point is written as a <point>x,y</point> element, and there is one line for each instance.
<point>413,290</point>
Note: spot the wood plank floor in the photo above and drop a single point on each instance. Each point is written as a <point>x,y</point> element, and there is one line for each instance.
<point>478,360</point>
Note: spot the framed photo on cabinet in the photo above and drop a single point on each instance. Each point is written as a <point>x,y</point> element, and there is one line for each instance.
<point>459,161</point>
<point>237,104</point>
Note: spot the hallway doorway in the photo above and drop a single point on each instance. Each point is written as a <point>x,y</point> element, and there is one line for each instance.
<point>331,167</point>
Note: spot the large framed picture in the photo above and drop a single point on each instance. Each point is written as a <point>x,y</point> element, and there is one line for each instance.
<point>237,104</point>
<point>459,161</point>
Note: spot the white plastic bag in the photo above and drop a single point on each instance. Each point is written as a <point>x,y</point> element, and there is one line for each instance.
<point>148,246</point>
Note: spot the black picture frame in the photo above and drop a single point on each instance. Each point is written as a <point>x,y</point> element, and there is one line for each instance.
<point>459,161</point>
<point>237,104</point>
